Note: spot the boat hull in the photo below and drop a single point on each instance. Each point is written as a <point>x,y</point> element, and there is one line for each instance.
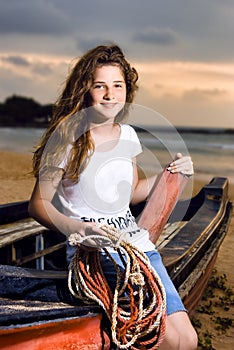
<point>189,256</point>
<point>71,334</point>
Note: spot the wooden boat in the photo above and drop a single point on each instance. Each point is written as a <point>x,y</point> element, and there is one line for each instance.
<point>32,261</point>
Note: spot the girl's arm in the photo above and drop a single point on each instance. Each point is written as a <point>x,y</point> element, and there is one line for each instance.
<point>41,208</point>
<point>142,187</point>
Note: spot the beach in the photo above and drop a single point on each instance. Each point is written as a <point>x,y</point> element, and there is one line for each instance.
<point>16,184</point>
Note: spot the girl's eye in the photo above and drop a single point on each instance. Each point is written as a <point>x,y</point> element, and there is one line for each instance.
<point>119,85</point>
<point>98,86</point>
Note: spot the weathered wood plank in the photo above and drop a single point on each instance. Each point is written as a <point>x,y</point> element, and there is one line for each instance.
<point>18,230</point>
<point>39,254</point>
<point>199,228</point>
<point>18,225</point>
<point>169,232</point>
<point>24,272</point>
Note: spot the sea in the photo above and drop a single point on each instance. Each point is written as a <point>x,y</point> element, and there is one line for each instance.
<point>212,150</point>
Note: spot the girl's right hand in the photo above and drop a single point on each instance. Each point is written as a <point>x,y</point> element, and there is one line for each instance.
<point>85,230</point>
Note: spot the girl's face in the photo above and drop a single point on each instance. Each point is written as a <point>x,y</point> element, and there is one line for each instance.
<point>108,91</point>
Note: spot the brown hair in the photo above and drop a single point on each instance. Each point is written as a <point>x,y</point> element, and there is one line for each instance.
<point>69,112</point>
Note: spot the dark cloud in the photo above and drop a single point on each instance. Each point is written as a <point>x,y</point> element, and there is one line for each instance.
<point>156,36</point>
<point>16,60</point>
<point>32,17</point>
<point>42,69</point>
<point>178,30</point>
<point>20,61</point>
<point>89,43</point>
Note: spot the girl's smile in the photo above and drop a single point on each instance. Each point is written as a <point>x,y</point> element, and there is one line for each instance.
<point>108,91</point>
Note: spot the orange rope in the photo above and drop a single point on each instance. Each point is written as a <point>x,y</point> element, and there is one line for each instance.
<point>137,322</point>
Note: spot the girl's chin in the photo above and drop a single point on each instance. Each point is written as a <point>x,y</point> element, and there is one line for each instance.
<point>107,113</point>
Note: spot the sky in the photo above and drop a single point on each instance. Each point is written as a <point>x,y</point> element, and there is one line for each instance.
<point>182,49</point>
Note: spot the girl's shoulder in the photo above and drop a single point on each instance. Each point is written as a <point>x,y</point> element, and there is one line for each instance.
<point>127,130</point>
<point>128,133</point>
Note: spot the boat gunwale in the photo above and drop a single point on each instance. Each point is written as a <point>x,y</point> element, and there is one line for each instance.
<point>209,226</point>
<point>205,192</point>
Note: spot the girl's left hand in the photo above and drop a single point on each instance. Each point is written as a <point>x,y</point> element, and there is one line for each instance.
<point>182,164</point>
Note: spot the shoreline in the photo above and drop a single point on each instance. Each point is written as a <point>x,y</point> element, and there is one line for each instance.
<point>16,184</point>
<point>16,180</point>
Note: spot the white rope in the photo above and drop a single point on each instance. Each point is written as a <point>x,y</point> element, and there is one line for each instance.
<point>134,276</point>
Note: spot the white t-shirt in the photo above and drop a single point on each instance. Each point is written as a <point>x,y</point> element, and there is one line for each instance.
<point>104,189</point>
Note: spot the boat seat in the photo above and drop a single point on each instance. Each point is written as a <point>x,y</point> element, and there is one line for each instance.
<point>12,232</point>
<point>35,246</point>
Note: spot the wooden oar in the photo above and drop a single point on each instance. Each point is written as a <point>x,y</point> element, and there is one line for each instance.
<point>161,202</point>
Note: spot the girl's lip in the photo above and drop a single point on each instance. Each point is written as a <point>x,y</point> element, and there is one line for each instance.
<point>109,105</point>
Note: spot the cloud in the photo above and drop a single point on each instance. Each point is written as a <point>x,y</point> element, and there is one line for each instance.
<point>157,36</point>
<point>22,65</point>
<point>40,77</point>
<point>42,69</point>
<point>12,84</point>
<point>204,94</point>
<point>89,43</point>
<point>16,60</point>
<point>197,110</point>
<point>182,51</point>
<point>30,85</point>
<point>32,17</point>
<point>181,32</point>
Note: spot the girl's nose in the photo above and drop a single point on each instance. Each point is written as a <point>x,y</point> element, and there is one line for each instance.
<point>108,95</point>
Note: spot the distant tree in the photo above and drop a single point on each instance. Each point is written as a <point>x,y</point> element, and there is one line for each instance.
<point>19,110</point>
<point>45,112</point>
<point>22,110</point>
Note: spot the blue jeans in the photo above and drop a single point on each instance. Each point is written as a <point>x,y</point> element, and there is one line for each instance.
<point>173,300</point>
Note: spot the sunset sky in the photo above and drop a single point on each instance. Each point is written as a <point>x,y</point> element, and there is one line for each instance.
<point>182,49</point>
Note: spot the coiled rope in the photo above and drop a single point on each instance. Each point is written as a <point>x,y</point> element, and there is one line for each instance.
<point>137,321</point>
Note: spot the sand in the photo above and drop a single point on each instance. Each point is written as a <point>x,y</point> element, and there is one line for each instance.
<point>16,184</point>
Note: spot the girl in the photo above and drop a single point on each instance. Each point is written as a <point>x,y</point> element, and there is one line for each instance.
<point>87,157</point>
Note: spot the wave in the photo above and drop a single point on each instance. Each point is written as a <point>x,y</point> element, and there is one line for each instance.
<point>199,145</point>
<point>191,144</point>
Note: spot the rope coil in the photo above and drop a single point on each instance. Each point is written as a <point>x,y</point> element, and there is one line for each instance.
<point>137,321</point>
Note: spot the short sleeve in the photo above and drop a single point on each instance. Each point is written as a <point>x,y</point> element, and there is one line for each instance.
<point>130,134</point>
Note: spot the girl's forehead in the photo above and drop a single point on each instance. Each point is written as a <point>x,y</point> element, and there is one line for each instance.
<point>108,71</point>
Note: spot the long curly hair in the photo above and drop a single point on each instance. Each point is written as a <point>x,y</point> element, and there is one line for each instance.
<point>70,114</point>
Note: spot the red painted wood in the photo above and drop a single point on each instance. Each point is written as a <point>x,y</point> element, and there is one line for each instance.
<point>162,200</point>
<point>73,334</point>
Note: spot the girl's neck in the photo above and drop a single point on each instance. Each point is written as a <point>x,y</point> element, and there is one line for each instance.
<point>105,136</point>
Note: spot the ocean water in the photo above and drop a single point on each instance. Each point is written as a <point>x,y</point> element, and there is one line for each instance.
<point>212,153</point>
<point>22,140</point>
